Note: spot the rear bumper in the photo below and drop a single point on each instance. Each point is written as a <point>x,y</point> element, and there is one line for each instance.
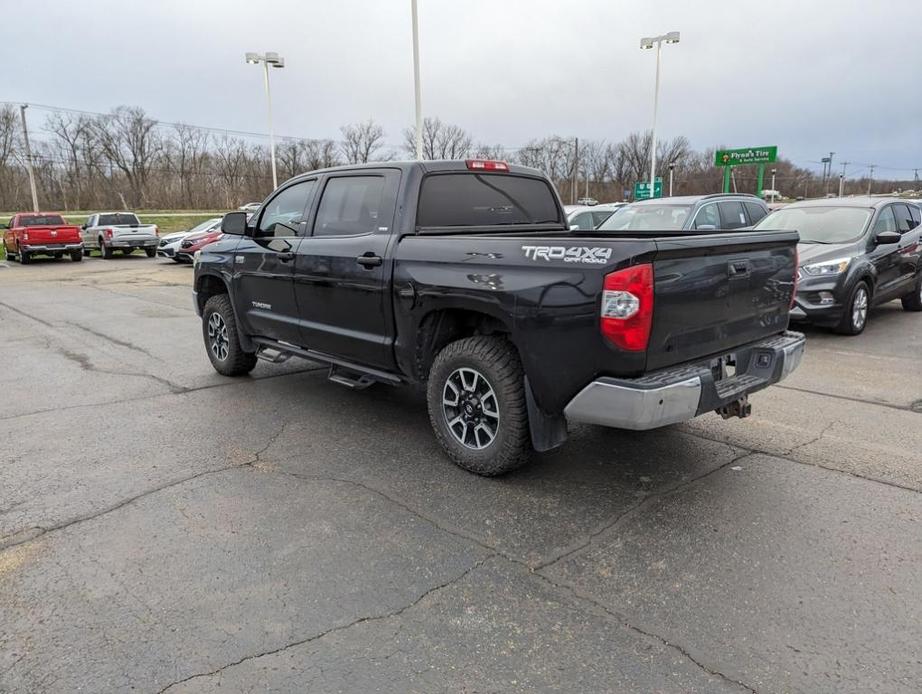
<point>51,247</point>
<point>143,242</point>
<point>680,393</point>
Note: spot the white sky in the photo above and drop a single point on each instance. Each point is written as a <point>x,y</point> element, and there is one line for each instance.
<point>811,77</point>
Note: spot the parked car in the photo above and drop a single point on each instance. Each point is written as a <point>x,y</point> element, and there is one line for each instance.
<point>170,243</point>
<point>250,207</point>
<point>590,217</point>
<point>119,231</point>
<point>196,242</point>
<point>41,233</point>
<point>719,211</point>
<point>464,278</point>
<point>855,253</point>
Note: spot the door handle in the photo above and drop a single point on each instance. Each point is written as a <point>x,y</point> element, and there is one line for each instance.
<point>286,257</point>
<point>369,260</point>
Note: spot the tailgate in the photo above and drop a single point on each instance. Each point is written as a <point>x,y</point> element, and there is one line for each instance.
<point>48,235</point>
<point>127,232</point>
<point>715,292</point>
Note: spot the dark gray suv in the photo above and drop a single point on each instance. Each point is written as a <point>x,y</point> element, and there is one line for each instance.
<point>720,211</point>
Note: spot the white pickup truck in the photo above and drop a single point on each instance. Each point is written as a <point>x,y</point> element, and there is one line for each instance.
<point>119,231</point>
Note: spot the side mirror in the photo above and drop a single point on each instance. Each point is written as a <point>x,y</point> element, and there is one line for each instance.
<point>234,223</point>
<point>706,227</point>
<point>887,237</point>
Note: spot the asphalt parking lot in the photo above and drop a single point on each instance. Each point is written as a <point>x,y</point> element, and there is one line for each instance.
<point>166,529</point>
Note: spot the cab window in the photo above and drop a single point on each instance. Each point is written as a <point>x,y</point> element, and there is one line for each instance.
<point>350,206</point>
<point>904,221</point>
<point>283,214</point>
<point>732,215</point>
<point>756,212</point>
<point>707,216</point>
<point>583,221</point>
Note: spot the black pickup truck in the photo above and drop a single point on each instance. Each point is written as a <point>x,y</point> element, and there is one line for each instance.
<point>462,277</point>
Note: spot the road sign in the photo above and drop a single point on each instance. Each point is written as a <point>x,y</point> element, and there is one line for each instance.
<point>642,189</point>
<point>747,155</point>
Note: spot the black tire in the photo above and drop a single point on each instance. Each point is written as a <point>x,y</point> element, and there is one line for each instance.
<point>76,256</point>
<point>86,251</point>
<point>496,361</point>
<point>151,252</point>
<point>9,254</point>
<point>104,250</point>
<point>229,360</point>
<point>853,320</point>
<point>913,300</point>
<point>24,258</point>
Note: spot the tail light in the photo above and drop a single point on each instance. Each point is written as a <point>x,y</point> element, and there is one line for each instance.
<point>627,307</point>
<point>156,230</point>
<point>487,165</point>
<point>108,233</point>
<point>25,236</point>
<point>796,277</point>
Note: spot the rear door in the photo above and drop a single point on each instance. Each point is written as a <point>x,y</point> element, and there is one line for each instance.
<point>342,268</point>
<point>714,292</point>
<point>264,264</point>
<point>909,245</point>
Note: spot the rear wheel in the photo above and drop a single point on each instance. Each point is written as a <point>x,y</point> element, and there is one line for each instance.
<point>855,318</point>
<point>9,254</point>
<point>219,328</point>
<point>913,300</point>
<point>104,250</point>
<point>24,257</point>
<point>76,256</point>
<point>476,398</point>
<point>151,252</point>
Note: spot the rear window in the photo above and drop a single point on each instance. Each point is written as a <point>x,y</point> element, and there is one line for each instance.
<point>42,220</point>
<point>467,199</point>
<point>118,220</point>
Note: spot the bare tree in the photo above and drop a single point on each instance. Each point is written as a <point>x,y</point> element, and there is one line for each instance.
<point>361,141</point>
<point>440,140</point>
<point>129,142</point>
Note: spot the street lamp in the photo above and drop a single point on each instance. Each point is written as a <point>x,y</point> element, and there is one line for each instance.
<point>273,60</point>
<point>419,104</point>
<point>774,171</point>
<point>645,44</point>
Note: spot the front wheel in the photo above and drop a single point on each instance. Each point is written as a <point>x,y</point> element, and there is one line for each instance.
<point>151,252</point>
<point>219,328</point>
<point>913,300</point>
<point>855,318</point>
<point>476,398</point>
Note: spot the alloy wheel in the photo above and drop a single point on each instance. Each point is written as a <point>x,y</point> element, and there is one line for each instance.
<point>860,308</point>
<point>217,336</point>
<point>470,408</point>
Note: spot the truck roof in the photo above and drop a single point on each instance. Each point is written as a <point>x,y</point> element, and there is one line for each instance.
<point>427,166</point>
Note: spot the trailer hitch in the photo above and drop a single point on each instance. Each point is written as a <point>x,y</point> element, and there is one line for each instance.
<point>738,408</point>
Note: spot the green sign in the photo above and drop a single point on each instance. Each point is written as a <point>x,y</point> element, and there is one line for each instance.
<point>642,189</point>
<point>747,155</point>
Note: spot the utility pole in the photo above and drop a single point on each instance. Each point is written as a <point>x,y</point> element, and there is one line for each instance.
<point>842,178</point>
<point>419,102</point>
<point>574,184</point>
<point>871,178</point>
<point>25,137</point>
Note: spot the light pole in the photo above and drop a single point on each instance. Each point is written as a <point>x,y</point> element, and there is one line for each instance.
<point>647,43</point>
<point>273,60</point>
<point>774,171</point>
<point>671,170</point>
<point>29,167</point>
<point>419,102</point>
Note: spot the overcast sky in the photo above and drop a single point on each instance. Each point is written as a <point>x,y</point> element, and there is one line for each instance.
<point>811,77</point>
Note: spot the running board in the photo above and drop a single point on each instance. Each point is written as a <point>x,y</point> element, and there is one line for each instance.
<point>341,371</point>
<point>350,379</point>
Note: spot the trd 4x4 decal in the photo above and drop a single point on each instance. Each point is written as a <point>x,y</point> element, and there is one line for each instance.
<point>569,254</point>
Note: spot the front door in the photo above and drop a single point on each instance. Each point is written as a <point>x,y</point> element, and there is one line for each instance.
<point>343,268</point>
<point>886,257</point>
<point>264,264</point>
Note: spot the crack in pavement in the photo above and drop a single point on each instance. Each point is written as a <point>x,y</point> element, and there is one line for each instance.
<point>34,532</point>
<point>849,398</point>
<point>86,364</point>
<point>25,315</point>
<point>783,456</point>
<point>631,510</point>
<point>340,627</point>
<point>114,340</point>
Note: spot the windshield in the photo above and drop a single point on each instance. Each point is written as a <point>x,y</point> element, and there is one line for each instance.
<point>118,220</point>
<point>41,220</point>
<point>820,224</point>
<point>205,225</point>
<point>647,217</point>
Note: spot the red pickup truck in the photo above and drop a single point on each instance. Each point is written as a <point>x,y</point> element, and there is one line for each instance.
<point>41,233</point>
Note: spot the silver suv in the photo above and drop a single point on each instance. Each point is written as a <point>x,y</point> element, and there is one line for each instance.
<point>719,211</point>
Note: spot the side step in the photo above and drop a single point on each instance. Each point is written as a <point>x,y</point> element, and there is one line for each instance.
<point>350,379</point>
<point>272,355</point>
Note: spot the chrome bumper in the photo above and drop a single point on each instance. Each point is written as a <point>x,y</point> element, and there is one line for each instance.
<point>58,248</point>
<point>680,393</point>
